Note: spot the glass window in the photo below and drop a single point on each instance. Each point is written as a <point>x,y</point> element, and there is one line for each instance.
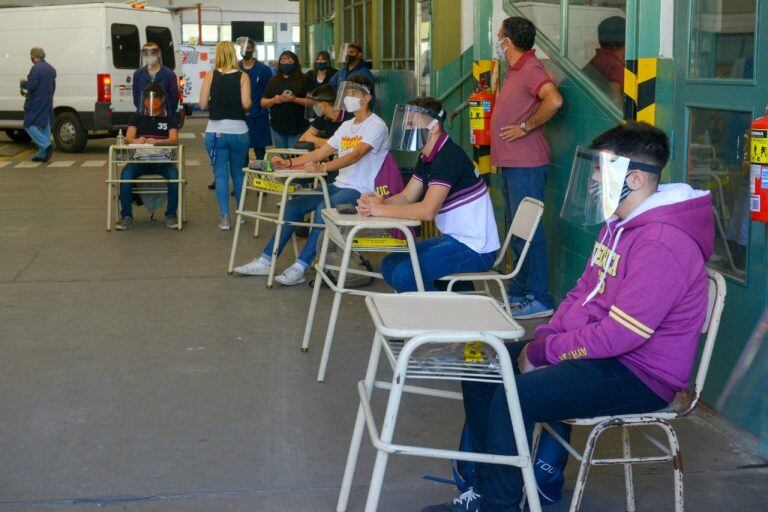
<point>723,39</point>
<point>225,33</point>
<point>596,41</point>
<point>716,145</point>
<point>545,14</point>
<point>295,34</point>
<point>210,34</point>
<point>190,33</point>
<point>269,33</point>
<point>126,49</point>
<point>162,36</point>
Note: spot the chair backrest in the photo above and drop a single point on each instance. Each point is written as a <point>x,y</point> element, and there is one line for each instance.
<point>524,224</point>
<point>715,304</point>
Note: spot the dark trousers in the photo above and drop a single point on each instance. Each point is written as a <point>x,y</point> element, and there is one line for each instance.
<point>134,171</point>
<point>521,182</point>
<point>572,389</point>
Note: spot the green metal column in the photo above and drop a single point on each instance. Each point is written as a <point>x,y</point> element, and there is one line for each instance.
<point>485,34</point>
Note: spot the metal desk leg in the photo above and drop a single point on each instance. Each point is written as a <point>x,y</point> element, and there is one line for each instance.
<point>258,210</point>
<point>357,433</point>
<point>315,293</point>
<point>278,229</point>
<point>237,229</point>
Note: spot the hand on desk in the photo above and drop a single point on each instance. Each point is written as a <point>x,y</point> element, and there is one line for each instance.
<point>314,167</point>
<point>368,205</point>
<point>280,162</point>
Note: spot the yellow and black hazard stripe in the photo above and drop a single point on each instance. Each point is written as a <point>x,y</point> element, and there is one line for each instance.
<point>640,90</point>
<point>482,69</point>
<point>481,157</point>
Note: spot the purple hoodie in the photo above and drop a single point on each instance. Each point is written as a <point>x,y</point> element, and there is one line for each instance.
<point>647,310</point>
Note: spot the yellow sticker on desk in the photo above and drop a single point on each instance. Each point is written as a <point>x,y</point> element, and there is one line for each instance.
<point>384,241</point>
<point>473,352</point>
<point>271,185</point>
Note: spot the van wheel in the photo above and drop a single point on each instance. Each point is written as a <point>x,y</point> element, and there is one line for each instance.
<point>18,135</point>
<point>68,133</point>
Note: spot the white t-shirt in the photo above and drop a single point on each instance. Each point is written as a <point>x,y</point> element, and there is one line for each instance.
<point>361,175</point>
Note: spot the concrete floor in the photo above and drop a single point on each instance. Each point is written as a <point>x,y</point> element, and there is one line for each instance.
<point>138,376</point>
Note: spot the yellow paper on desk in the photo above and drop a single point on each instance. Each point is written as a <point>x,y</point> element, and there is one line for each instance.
<point>271,185</point>
<point>473,352</point>
<point>378,241</point>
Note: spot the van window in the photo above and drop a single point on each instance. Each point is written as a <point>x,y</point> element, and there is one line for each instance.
<point>126,50</point>
<point>162,36</point>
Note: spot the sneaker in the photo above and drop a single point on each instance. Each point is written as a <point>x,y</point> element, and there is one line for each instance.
<point>225,224</point>
<point>48,153</point>
<point>514,300</point>
<point>291,276</point>
<point>466,502</point>
<point>255,267</point>
<point>530,308</point>
<point>124,223</point>
<point>171,222</point>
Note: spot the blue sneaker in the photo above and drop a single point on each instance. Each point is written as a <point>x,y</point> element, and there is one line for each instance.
<point>514,300</point>
<point>530,308</point>
<point>466,502</point>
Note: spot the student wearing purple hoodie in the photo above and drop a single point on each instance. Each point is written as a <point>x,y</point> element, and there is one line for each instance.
<point>624,339</point>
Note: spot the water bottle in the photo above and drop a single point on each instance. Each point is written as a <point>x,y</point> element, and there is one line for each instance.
<point>120,141</point>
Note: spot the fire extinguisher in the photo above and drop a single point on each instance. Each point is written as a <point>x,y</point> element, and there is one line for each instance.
<point>480,110</point>
<point>758,169</point>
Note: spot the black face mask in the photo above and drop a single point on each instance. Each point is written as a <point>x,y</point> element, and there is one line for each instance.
<point>287,69</point>
<point>351,59</point>
<point>321,65</point>
<point>248,54</point>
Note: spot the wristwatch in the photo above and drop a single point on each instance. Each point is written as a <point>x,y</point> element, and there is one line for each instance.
<point>523,127</point>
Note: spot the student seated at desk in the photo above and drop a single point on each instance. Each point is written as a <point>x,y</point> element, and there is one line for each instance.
<point>361,144</point>
<point>454,196</point>
<point>327,118</point>
<point>624,339</point>
<point>153,125</point>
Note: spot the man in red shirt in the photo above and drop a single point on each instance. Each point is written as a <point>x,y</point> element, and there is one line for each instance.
<point>607,66</point>
<point>527,100</point>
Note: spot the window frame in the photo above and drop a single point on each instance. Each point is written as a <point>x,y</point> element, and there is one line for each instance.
<point>168,51</point>
<point>114,46</point>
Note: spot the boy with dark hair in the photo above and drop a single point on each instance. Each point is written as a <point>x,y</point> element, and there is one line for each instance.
<point>446,188</point>
<point>328,118</point>
<point>624,340</point>
<point>152,126</point>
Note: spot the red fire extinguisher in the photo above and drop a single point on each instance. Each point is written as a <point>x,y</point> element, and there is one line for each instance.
<point>758,169</point>
<point>480,110</point>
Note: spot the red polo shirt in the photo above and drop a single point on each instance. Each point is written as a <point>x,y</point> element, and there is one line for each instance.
<point>609,65</point>
<point>517,101</point>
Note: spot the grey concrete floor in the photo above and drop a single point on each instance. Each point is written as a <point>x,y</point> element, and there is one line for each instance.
<point>136,375</point>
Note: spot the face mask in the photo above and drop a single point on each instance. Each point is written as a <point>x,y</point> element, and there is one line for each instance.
<point>287,69</point>
<point>351,59</point>
<point>352,104</point>
<point>500,52</point>
<point>318,109</point>
<point>150,60</point>
<point>321,64</point>
<point>248,54</point>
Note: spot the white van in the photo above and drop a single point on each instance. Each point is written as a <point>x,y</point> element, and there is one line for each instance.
<point>95,48</point>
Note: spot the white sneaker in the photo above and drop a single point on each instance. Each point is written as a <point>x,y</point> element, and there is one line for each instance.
<point>225,224</point>
<point>256,267</point>
<point>291,276</point>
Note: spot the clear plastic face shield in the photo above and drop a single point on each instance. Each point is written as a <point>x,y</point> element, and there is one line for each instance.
<point>245,47</point>
<point>351,96</point>
<point>344,54</point>
<point>411,127</point>
<point>151,56</point>
<point>153,104</point>
<point>595,186</point>
<point>316,106</point>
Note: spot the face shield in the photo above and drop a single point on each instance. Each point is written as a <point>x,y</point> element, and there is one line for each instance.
<point>315,105</point>
<point>245,47</point>
<point>153,104</point>
<point>344,56</point>
<point>151,56</point>
<point>411,126</point>
<point>351,96</point>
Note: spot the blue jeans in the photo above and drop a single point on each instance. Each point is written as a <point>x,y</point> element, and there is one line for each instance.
<point>41,137</point>
<point>438,257</point>
<point>295,210</point>
<point>231,150</point>
<point>572,389</point>
<point>283,140</point>
<point>134,171</point>
<point>520,182</point>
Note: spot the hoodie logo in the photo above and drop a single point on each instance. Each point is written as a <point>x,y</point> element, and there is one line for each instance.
<point>601,255</point>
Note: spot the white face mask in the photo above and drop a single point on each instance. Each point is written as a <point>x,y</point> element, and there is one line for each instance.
<point>500,52</point>
<point>352,104</point>
<point>150,60</point>
<point>318,109</point>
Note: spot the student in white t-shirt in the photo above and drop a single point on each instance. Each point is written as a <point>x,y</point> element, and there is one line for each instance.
<point>361,145</point>
<point>454,196</point>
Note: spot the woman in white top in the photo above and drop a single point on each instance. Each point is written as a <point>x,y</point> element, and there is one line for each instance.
<point>226,93</point>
